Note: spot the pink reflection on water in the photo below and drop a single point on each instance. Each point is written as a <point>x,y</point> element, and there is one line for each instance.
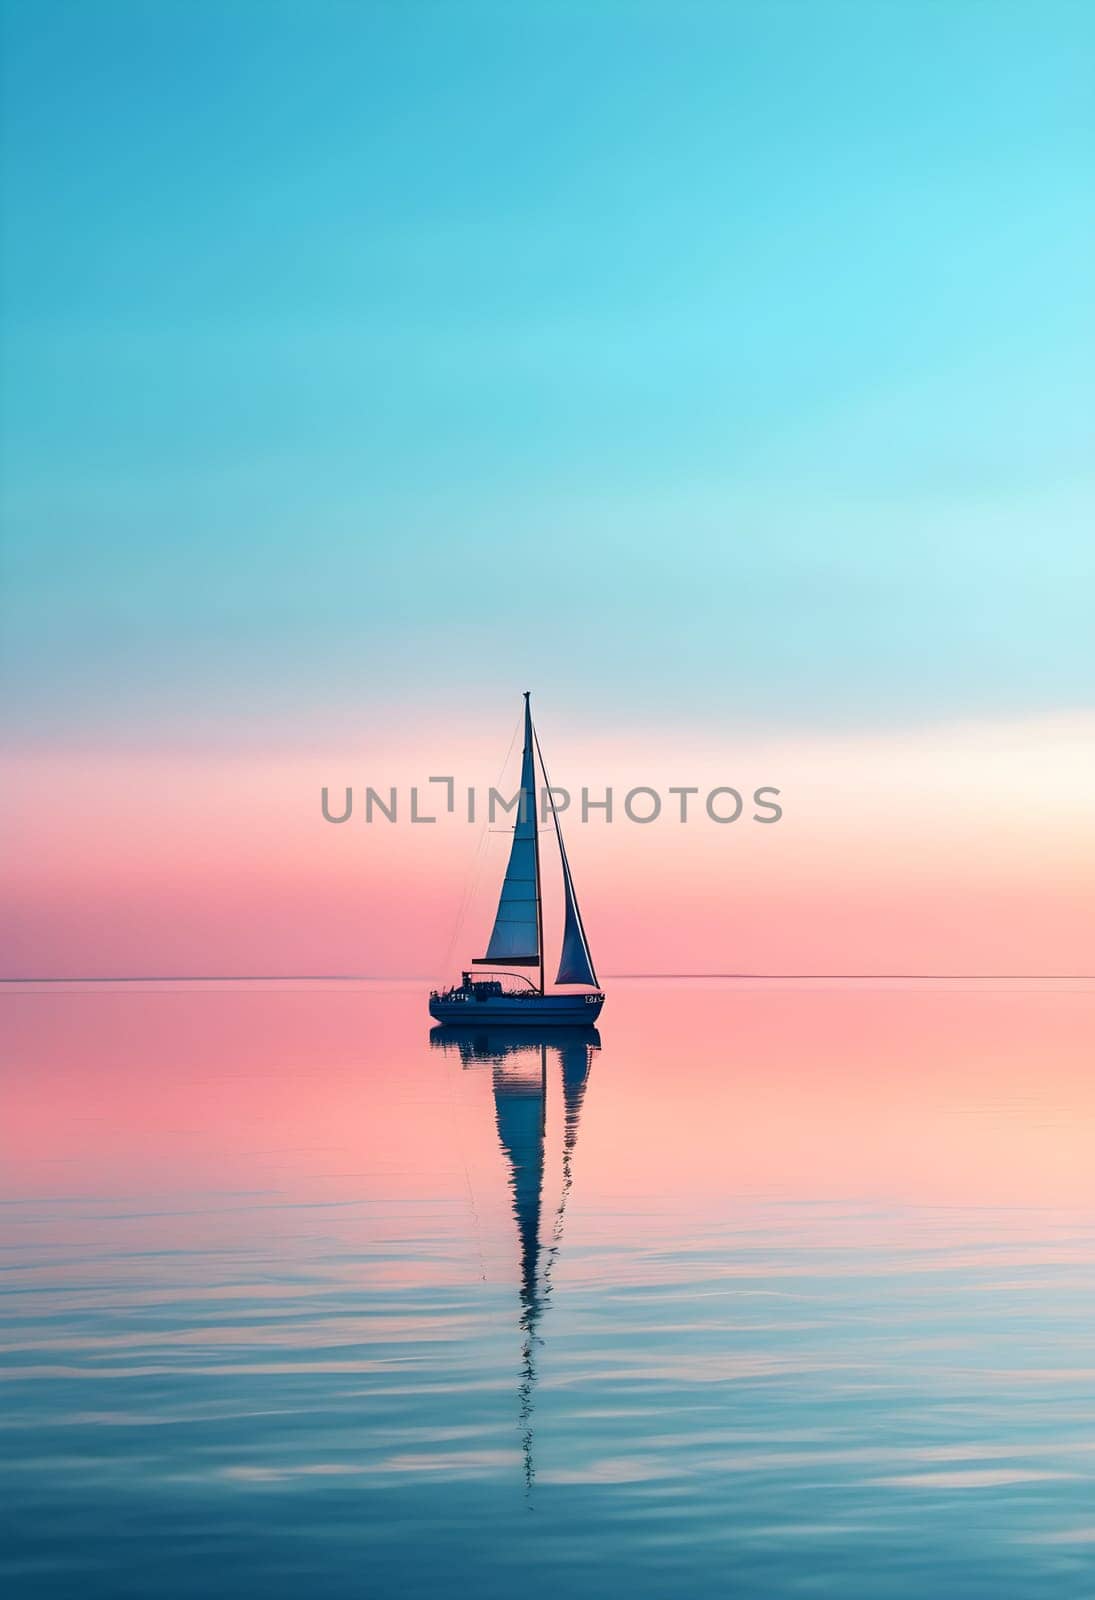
<point>702,1092</point>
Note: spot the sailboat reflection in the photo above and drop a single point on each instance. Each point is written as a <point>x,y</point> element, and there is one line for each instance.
<point>520,1059</point>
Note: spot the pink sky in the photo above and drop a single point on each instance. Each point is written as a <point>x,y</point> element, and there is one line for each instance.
<point>959,848</point>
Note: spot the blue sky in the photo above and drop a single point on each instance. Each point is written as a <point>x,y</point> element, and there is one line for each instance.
<point>695,358</point>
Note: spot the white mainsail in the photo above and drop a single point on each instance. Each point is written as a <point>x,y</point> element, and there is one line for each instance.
<point>515,940</point>
<point>517,937</point>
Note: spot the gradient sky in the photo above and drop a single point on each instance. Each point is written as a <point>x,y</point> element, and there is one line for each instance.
<point>720,371</point>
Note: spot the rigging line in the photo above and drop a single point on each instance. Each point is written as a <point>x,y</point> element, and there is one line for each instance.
<point>475,866</point>
<point>476,1224</point>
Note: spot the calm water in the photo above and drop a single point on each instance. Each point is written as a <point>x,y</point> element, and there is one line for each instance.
<point>768,1291</point>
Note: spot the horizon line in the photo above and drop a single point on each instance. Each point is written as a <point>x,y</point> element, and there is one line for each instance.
<point>377,977</point>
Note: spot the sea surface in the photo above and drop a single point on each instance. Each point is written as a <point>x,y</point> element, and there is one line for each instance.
<point>766,1289</point>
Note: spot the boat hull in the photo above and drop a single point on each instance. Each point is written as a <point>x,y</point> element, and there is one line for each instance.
<point>518,1010</point>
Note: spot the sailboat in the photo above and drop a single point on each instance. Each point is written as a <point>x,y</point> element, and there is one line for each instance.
<point>517,939</point>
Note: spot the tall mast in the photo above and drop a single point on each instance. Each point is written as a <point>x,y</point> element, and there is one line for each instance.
<point>535,837</point>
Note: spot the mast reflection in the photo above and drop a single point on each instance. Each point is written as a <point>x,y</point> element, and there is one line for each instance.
<point>522,1060</point>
